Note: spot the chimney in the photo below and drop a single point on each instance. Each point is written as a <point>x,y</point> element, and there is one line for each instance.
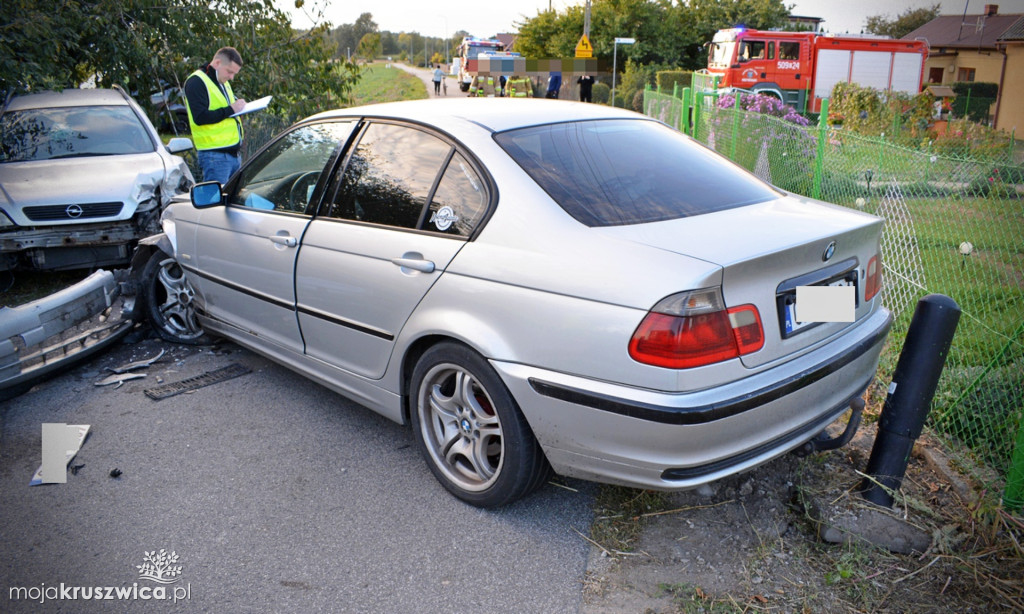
<point>991,9</point>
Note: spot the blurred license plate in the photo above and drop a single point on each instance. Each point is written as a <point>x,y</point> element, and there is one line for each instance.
<point>790,322</point>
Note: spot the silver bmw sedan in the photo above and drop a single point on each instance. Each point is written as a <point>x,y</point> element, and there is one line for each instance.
<point>533,286</point>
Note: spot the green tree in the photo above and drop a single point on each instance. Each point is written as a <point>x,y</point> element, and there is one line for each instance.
<point>697,21</point>
<point>667,34</point>
<point>347,36</point>
<point>143,44</point>
<point>370,46</point>
<point>903,24</point>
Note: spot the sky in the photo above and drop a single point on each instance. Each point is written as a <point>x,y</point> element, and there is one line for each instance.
<point>442,18</point>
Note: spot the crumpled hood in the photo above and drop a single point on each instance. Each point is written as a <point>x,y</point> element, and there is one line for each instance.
<point>102,179</point>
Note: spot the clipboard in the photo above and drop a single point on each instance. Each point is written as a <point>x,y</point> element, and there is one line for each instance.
<point>255,105</point>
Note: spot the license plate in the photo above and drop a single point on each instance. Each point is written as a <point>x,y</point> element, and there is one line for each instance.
<point>790,323</point>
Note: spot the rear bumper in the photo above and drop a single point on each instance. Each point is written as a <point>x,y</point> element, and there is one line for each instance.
<point>674,441</point>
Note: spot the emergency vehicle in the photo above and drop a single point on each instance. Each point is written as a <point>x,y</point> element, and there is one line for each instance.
<point>800,68</point>
<point>470,49</point>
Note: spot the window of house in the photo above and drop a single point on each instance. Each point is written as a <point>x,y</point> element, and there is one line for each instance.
<point>965,74</point>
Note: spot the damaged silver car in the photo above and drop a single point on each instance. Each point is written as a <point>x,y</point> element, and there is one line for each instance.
<point>83,176</point>
<point>533,286</point>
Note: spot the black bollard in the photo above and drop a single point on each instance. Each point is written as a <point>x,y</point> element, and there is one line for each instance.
<point>910,394</point>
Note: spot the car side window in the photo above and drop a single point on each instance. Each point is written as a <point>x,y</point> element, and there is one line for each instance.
<point>285,175</point>
<point>389,177</point>
<point>460,200</point>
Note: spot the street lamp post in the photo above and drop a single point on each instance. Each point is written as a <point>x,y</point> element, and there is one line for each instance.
<point>615,57</point>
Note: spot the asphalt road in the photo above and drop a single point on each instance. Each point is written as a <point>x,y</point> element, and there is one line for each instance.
<point>276,495</point>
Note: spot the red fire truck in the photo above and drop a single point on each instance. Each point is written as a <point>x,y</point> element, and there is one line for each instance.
<point>800,68</point>
<point>470,49</point>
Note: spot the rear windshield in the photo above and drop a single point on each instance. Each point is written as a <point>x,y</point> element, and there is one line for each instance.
<point>618,172</point>
<point>71,132</point>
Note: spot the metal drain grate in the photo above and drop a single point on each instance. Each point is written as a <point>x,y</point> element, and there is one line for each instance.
<point>194,383</point>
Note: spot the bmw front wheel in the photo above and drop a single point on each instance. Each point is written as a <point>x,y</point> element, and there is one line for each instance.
<point>167,297</point>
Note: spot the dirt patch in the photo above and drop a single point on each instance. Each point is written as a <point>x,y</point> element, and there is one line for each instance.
<point>754,542</point>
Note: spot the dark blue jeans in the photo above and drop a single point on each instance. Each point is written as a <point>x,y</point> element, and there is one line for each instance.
<point>218,166</point>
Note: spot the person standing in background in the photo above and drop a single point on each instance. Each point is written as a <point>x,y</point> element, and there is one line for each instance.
<point>586,83</point>
<point>438,75</point>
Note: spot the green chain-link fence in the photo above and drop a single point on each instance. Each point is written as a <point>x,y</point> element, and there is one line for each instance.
<point>954,226</point>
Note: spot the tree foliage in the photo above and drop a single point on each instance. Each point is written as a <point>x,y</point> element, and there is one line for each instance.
<point>348,36</point>
<point>669,34</point>
<point>370,46</point>
<point>905,23</point>
<point>144,44</point>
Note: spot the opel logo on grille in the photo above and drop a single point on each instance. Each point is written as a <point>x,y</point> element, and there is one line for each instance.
<point>74,211</point>
<point>829,252</point>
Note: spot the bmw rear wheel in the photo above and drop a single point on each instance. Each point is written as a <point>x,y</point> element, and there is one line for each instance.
<point>469,429</point>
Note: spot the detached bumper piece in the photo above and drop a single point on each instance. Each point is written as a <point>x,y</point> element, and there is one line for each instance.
<point>41,337</point>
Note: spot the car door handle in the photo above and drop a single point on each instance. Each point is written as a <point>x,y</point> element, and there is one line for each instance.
<point>423,266</point>
<point>286,241</point>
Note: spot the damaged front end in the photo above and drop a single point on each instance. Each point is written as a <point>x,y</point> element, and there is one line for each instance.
<point>51,333</point>
<point>83,229</point>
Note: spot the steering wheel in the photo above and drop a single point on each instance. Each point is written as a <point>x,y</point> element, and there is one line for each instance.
<point>302,187</point>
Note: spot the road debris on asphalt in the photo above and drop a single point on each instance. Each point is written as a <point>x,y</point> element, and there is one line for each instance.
<point>199,381</point>
<point>119,379</point>
<point>81,431</point>
<point>138,364</point>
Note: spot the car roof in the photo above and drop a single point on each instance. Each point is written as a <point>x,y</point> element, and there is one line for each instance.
<point>67,98</point>
<point>494,114</point>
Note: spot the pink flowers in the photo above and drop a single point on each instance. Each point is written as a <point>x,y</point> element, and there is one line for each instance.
<point>765,104</point>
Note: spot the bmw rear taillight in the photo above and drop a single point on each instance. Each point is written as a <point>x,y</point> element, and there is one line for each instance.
<point>695,328</point>
<point>873,277</point>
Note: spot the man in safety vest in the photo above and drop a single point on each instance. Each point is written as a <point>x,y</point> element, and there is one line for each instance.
<point>211,104</point>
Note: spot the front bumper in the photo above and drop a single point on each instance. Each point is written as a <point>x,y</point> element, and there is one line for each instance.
<point>674,441</point>
<point>74,246</point>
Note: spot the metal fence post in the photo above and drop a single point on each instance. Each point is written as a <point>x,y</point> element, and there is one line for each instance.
<point>819,158</point>
<point>735,127</point>
<point>684,115</point>
<point>1013,498</point>
<point>698,102</point>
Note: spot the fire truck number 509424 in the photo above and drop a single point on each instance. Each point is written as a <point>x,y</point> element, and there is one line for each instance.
<point>802,67</point>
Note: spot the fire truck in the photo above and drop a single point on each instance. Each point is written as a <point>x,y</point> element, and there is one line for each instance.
<point>470,49</point>
<point>800,68</point>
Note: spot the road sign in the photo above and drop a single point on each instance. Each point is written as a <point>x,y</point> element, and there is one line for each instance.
<point>584,48</point>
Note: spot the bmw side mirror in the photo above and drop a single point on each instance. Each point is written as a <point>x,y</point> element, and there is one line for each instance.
<point>206,194</point>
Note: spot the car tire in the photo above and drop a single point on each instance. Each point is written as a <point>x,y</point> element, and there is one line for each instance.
<point>470,430</point>
<point>167,299</point>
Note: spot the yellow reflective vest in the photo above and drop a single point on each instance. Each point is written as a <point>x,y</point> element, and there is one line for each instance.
<point>224,133</point>
<point>520,88</point>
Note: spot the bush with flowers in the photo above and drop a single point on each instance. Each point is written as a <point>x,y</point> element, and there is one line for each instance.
<point>765,104</point>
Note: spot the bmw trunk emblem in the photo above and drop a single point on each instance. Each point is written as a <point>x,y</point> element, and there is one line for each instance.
<point>829,252</point>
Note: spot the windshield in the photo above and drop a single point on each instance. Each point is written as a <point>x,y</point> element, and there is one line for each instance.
<point>720,55</point>
<point>69,132</point>
<point>473,50</point>
<point>617,172</point>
